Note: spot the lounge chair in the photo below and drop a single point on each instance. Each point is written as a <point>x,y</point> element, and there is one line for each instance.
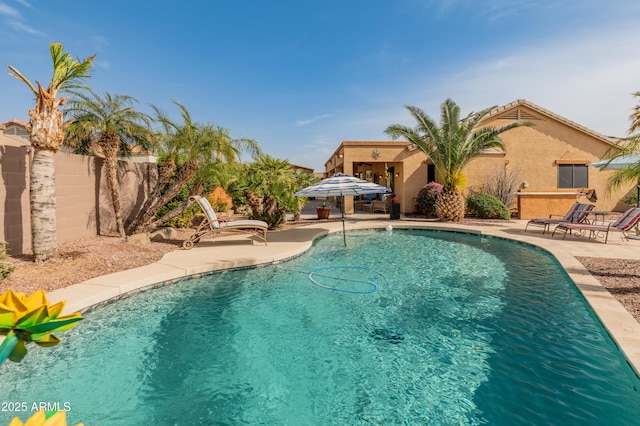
<point>212,225</point>
<point>577,214</point>
<point>623,224</point>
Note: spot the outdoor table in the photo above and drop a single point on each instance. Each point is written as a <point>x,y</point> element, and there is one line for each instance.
<point>600,214</point>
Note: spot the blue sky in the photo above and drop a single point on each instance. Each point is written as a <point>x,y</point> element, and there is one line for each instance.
<point>302,76</point>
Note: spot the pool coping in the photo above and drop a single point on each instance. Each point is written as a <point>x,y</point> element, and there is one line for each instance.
<point>230,253</point>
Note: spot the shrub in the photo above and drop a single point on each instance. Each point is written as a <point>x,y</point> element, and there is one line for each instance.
<point>503,185</point>
<point>426,199</point>
<point>631,198</point>
<point>5,267</point>
<point>487,207</point>
<point>220,200</point>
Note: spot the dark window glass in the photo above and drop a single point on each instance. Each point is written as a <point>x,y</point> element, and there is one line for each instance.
<point>573,176</point>
<point>431,173</point>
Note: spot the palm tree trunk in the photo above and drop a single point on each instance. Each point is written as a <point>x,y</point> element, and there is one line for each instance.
<point>111,164</point>
<point>450,205</point>
<point>110,143</point>
<point>42,199</point>
<point>167,217</point>
<point>183,179</point>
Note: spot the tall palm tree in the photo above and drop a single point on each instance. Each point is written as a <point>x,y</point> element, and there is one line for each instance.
<point>188,149</point>
<point>109,126</point>
<point>47,130</point>
<point>635,116</point>
<point>451,146</point>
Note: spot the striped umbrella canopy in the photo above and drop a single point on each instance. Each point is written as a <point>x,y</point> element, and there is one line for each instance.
<point>340,185</point>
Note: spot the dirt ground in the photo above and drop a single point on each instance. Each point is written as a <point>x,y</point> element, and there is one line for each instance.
<point>82,259</point>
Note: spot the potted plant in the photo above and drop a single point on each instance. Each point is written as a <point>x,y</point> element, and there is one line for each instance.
<point>323,210</point>
<point>395,208</point>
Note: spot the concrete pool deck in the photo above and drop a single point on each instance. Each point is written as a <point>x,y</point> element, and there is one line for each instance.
<point>235,251</point>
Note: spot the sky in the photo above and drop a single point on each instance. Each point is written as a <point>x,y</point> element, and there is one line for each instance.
<point>302,76</point>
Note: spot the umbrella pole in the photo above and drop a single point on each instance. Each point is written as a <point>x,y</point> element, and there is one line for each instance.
<point>344,233</point>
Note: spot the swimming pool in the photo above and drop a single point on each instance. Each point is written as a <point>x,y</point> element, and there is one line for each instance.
<point>462,329</point>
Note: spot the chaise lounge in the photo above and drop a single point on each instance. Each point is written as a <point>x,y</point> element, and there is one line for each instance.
<point>212,225</point>
<point>624,223</point>
<point>577,214</point>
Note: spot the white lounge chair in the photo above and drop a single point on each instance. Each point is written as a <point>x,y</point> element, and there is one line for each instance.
<point>212,225</point>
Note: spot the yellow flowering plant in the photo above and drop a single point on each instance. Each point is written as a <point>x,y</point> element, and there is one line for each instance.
<point>58,418</point>
<point>30,318</point>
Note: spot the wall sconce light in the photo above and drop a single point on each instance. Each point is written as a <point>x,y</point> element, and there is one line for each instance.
<point>525,184</point>
<point>397,175</point>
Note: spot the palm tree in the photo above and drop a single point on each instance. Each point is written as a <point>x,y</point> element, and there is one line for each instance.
<point>627,146</point>
<point>188,149</point>
<point>635,117</point>
<point>451,146</point>
<point>268,185</point>
<point>109,125</point>
<point>47,131</point>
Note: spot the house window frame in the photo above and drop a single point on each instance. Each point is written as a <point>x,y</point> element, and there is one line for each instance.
<point>575,183</point>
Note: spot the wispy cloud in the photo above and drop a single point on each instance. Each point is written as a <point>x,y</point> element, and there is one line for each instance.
<point>15,21</point>
<point>301,123</point>
<point>25,3</point>
<point>7,10</point>
<point>23,28</point>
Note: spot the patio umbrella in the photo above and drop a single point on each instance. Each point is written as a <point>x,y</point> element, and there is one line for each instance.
<point>340,185</point>
<point>623,162</point>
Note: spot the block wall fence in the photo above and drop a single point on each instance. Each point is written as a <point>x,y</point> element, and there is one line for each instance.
<point>83,199</point>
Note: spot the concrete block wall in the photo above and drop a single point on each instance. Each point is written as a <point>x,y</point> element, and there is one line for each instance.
<point>83,199</point>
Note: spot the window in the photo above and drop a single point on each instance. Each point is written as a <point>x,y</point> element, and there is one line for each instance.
<point>431,173</point>
<point>573,176</point>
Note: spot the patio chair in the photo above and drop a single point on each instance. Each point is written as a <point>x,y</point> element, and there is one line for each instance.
<point>577,214</point>
<point>381,205</point>
<point>212,225</point>
<point>623,224</point>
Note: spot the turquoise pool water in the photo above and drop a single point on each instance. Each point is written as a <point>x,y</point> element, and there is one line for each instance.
<point>462,329</point>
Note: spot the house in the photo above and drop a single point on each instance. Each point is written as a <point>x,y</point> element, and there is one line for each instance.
<point>15,128</point>
<point>549,158</point>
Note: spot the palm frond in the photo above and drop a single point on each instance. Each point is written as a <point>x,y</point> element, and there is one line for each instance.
<point>455,142</point>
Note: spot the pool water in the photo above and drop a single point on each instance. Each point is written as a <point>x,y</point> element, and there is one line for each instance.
<point>462,329</point>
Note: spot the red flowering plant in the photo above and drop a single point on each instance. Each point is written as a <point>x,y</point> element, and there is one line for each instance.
<point>394,199</point>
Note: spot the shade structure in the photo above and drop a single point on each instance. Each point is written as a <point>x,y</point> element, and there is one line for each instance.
<point>622,162</point>
<point>340,185</point>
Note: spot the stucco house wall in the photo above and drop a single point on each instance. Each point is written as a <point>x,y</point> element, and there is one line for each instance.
<point>535,153</point>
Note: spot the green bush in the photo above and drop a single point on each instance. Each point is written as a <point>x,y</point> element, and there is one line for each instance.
<point>631,198</point>
<point>426,199</point>
<point>5,267</point>
<point>487,207</point>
